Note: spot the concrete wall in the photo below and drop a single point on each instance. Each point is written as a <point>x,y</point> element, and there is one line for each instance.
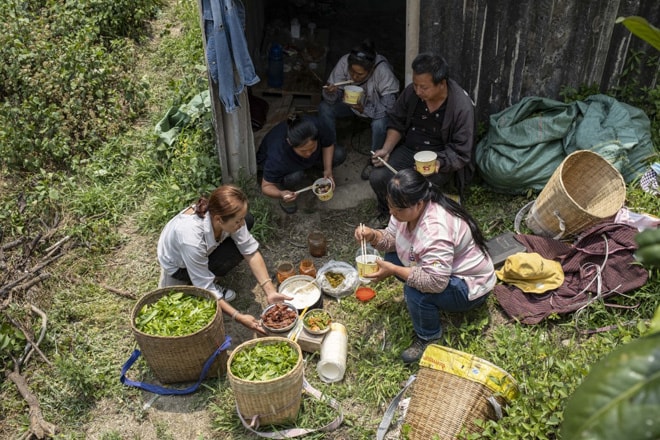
<point>501,50</point>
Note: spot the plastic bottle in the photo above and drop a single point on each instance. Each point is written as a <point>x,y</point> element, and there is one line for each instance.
<point>295,29</point>
<point>312,27</point>
<point>332,364</point>
<point>275,66</point>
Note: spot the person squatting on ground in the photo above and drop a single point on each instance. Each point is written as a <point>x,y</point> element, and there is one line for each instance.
<point>435,247</point>
<point>432,113</point>
<point>207,240</point>
<point>371,71</point>
<point>290,148</point>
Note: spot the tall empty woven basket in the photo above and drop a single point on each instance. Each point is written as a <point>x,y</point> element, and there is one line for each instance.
<point>584,190</point>
<point>453,389</point>
<point>181,358</point>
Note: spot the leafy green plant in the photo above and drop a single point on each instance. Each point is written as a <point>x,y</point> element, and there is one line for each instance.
<point>64,91</point>
<point>620,396</point>
<point>642,28</point>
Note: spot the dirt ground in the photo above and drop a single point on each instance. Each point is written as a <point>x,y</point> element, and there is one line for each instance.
<point>187,417</point>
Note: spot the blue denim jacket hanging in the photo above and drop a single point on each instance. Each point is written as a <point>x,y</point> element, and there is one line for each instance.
<point>226,47</point>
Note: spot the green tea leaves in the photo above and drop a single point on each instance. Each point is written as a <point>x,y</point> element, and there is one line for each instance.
<point>262,362</point>
<point>175,314</point>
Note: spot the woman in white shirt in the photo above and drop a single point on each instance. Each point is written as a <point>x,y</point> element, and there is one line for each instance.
<point>435,247</point>
<point>207,240</point>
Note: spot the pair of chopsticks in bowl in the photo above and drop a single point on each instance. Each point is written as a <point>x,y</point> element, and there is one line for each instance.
<point>363,242</point>
<point>340,83</point>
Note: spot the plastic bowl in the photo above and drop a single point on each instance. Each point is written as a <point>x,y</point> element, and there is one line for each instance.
<point>323,188</point>
<point>365,294</point>
<point>313,315</point>
<point>279,311</point>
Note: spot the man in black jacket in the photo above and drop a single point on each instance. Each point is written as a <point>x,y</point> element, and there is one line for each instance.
<point>432,114</point>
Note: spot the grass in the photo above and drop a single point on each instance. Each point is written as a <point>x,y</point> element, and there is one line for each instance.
<point>115,203</point>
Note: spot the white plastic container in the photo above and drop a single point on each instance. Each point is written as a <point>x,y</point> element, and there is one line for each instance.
<point>332,365</point>
<point>295,28</point>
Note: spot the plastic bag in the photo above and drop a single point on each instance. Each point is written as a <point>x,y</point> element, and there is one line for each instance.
<point>347,286</point>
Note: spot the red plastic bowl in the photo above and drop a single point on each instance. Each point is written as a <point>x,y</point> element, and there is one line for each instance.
<point>365,294</point>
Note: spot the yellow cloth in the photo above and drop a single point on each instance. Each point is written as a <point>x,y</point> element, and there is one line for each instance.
<point>470,367</point>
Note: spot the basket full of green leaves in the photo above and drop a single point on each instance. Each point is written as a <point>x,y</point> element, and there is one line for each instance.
<point>266,376</point>
<point>177,329</point>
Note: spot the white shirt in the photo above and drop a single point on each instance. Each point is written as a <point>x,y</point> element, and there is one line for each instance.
<point>187,241</point>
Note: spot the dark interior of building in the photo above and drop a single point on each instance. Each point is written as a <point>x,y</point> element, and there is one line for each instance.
<point>315,34</point>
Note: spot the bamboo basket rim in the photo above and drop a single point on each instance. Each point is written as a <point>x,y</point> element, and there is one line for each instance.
<point>181,358</point>
<point>266,339</point>
<point>157,294</point>
<point>558,211</point>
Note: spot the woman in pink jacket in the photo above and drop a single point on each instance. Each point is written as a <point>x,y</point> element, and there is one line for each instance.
<point>435,247</point>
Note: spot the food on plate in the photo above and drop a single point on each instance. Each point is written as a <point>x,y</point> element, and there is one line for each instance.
<point>334,279</point>
<point>279,316</point>
<point>317,320</point>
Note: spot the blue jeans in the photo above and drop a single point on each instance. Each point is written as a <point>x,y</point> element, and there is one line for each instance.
<point>424,308</point>
<point>227,50</point>
<point>329,112</point>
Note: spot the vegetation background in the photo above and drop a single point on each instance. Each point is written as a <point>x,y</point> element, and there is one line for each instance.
<point>83,85</point>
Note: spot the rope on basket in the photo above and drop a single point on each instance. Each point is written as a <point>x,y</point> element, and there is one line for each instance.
<point>297,432</point>
<point>164,391</point>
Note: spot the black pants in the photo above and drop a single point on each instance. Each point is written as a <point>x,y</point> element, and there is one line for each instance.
<point>223,259</point>
<point>402,157</point>
<point>295,180</point>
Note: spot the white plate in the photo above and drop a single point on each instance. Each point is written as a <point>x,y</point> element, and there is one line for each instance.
<point>307,292</point>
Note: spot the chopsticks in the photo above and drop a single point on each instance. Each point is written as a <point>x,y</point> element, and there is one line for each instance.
<point>307,188</point>
<point>363,243</point>
<point>384,162</point>
<point>341,83</point>
<point>296,331</point>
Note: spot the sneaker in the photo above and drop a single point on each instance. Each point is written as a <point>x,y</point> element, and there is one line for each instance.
<point>379,222</point>
<point>289,207</point>
<point>227,294</point>
<point>366,171</point>
<point>416,350</point>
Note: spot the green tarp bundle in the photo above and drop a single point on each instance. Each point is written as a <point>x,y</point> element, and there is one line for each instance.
<point>526,142</point>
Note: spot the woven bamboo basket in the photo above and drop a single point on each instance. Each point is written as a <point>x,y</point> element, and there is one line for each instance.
<point>452,391</point>
<point>584,190</point>
<point>181,358</point>
<point>273,401</point>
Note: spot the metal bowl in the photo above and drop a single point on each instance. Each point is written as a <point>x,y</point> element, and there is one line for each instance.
<point>315,312</point>
<point>303,289</point>
<point>272,309</point>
